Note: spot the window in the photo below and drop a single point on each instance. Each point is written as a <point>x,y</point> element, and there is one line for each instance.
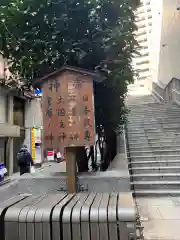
<point>142,62</point>
<point>143,70</point>
<point>142,40</point>
<point>141,33</point>
<point>19,111</point>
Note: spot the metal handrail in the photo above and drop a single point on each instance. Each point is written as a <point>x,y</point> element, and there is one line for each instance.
<point>159,95</point>
<point>174,90</point>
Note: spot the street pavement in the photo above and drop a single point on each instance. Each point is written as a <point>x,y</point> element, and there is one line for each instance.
<point>160,217</point>
<point>38,183</point>
<point>46,169</point>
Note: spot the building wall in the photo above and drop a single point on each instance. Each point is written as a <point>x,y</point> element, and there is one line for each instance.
<point>167,62</point>
<point>2,150</point>
<point>3,101</point>
<point>144,21</point>
<point>156,37</point>
<point>3,119</point>
<point>33,113</point>
<point>33,118</point>
<point>9,146</point>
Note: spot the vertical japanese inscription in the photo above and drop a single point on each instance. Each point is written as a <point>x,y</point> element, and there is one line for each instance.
<point>87,122</point>
<point>48,116</point>
<point>49,107</point>
<point>74,88</point>
<point>60,112</point>
<point>53,84</point>
<point>69,111</point>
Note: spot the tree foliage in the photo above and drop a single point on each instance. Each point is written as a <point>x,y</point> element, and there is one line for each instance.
<point>39,36</point>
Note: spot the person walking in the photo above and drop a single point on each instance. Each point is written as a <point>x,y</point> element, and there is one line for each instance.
<point>25,160</point>
<point>59,157</point>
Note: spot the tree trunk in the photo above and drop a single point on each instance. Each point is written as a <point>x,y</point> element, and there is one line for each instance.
<point>82,160</point>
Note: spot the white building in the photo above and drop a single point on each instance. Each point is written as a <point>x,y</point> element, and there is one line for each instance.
<point>141,62</point>
<point>165,41</point>
<point>144,23</point>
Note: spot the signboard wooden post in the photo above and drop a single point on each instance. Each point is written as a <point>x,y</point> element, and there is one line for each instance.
<point>33,150</point>
<point>68,114</point>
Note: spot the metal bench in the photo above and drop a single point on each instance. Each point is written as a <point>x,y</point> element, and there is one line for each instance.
<point>82,216</point>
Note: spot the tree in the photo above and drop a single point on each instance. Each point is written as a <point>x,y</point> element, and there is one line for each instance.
<point>38,37</point>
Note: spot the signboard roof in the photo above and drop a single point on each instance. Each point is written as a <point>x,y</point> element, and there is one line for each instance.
<point>96,77</point>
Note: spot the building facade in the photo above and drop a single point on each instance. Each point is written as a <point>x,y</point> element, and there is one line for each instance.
<point>165,41</point>
<point>20,112</point>
<point>18,115</point>
<point>141,62</point>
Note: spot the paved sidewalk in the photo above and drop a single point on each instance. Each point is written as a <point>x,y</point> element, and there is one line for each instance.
<point>160,217</point>
<point>46,169</point>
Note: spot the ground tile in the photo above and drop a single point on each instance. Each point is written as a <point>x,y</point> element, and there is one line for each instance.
<point>161,230</point>
<point>149,213</point>
<point>169,212</point>
<point>151,201</point>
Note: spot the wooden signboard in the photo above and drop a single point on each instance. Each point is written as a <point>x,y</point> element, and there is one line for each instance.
<point>68,110</point>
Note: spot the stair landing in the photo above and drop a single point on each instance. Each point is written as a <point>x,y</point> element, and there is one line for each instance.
<point>160,217</point>
<point>158,207</point>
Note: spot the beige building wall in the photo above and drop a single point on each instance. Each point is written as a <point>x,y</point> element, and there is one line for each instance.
<point>141,62</point>
<point>156,37</point>
<point>33,113</point>
<point>165,57</point>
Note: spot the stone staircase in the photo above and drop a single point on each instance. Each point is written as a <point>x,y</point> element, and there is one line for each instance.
<point>153,133</point>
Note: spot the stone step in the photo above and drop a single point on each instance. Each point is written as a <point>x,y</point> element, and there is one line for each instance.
<point>156,177</point>
<point>146,120</point>
<point>155,185</point>
<point>158,163</point>
<point>154,139</point>
<point>158,192</point>
<point>154,110</point>
<point>144,104</point>
<point>166,169</point>
<point>164,143</point>
<point>157,139</point>
<point>154,152</point>
<point>155,105</point>
<point>152,115</point>
<point>172,139</point>
<point>152,147</point>
<point>158,129</point>
<point>154,157</point>
<point>145,143</point>
<point>168,133</point>
<point>150,135</point>
<point>152,118</point>
<point>140,129</point>
<point>144,131</point>
<point>149,125</point>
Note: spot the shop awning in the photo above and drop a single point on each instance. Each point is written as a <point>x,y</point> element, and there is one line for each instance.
<point>8,130</point>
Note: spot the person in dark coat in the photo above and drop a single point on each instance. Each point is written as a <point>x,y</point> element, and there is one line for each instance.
<point>25,160</point>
